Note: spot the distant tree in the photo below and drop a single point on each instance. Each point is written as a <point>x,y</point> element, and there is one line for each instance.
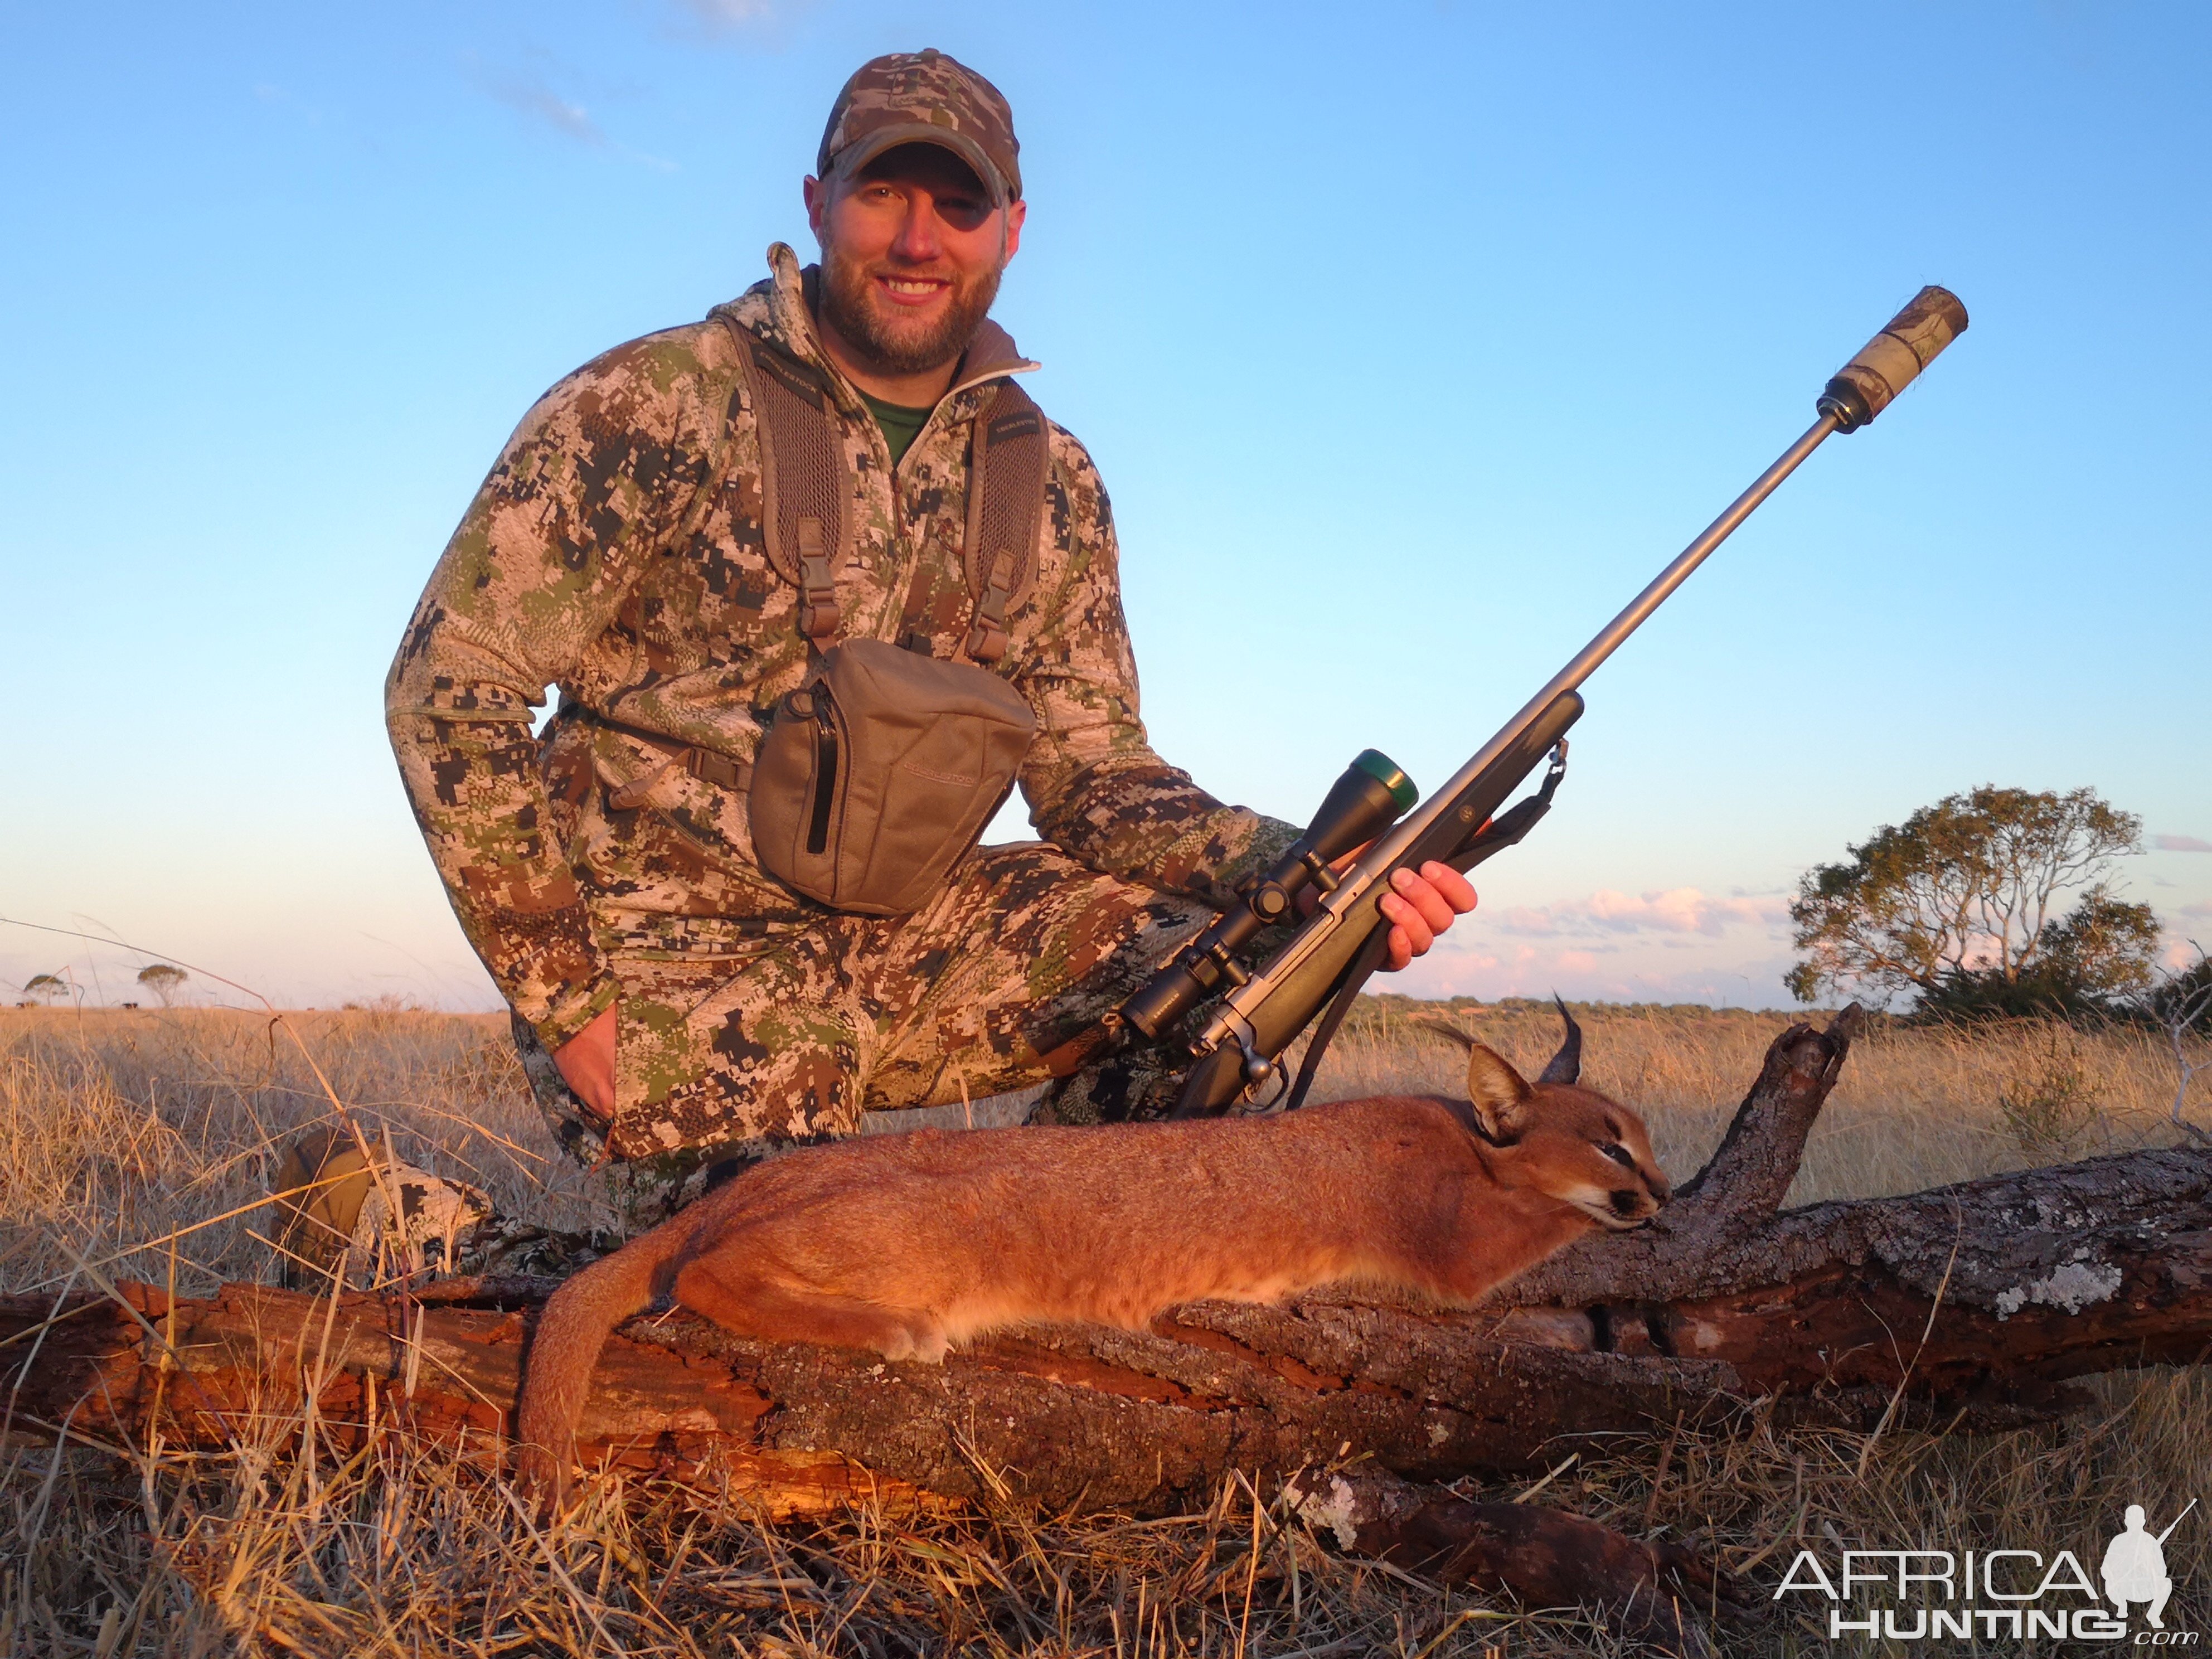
<point>46,986</point>
<point>2105,950</point>
<point>163,980</point>
<point>2180,1004</point>
<point>1957,908</point>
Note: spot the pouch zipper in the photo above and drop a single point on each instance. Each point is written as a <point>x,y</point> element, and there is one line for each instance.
<point>825,773</point>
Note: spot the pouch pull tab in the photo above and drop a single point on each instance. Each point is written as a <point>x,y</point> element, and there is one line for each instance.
<point>818,615</point>
<point>639,790</point>
<point>986,639</point>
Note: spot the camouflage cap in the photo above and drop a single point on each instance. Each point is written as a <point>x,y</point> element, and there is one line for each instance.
<point>923,97</point>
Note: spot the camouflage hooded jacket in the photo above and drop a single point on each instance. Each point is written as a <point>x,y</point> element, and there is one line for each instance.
<point>615,551</point>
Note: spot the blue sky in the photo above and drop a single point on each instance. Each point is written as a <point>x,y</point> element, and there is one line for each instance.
<point>1411,340</point>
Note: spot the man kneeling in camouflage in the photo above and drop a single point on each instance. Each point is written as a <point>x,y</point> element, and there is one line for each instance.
<point>677,535</point>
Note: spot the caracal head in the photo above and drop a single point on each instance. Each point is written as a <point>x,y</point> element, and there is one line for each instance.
<point>1567,1142</point>
<point>1555,1137</point>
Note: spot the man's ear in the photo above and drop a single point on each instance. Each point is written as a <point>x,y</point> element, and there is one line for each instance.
<point>1017,213</point>
<point>1499,1095</point>
<point>815,192</point>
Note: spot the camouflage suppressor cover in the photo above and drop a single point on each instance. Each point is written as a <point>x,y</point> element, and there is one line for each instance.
<point>1892,360</point>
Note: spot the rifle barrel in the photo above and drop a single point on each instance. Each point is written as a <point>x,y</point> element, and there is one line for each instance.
<point>2178,1520</point>
<point>1390,848</point>
<point>1609,638</point>
<point>1862,390</point>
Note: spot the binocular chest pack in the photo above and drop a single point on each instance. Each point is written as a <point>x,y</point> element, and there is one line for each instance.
<point>882,770</point>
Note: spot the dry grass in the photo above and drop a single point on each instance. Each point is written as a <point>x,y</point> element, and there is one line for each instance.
<point>119,1131</point>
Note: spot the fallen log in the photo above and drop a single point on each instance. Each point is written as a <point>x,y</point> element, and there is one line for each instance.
<point>1975,1301</point>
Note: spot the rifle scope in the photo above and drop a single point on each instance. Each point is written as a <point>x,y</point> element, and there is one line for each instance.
<point>1362,803</point>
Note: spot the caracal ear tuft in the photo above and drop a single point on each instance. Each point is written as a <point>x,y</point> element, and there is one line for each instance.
<point>1498,1093</point>
<point>1566,1065</point>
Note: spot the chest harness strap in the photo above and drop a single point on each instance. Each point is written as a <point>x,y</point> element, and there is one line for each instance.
<point>807,491</point>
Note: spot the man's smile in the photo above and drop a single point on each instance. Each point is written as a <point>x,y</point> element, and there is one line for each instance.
<point>913,290</point>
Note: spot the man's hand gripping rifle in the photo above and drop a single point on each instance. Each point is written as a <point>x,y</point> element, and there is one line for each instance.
<point>1330,957</point>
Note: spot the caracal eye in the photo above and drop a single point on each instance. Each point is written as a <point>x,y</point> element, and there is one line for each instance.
<point>1620,1155</point>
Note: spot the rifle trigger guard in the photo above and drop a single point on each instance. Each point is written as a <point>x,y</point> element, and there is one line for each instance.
<point>1282,1089</point>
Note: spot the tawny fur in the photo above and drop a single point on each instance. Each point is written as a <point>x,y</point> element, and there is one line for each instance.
<point>909,1245</point>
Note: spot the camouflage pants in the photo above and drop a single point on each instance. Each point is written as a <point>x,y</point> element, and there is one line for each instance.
<point>996,984</point>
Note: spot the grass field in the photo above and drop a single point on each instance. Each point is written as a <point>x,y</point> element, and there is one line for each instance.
<point>125,1136</point>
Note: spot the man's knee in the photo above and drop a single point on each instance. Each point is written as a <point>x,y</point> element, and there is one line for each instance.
<point>1033,894</point>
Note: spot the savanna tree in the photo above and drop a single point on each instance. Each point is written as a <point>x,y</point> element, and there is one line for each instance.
<point>45,988</point>
<point>2181,1004</point>
<point>163,980</point>
<point>1958,908</point>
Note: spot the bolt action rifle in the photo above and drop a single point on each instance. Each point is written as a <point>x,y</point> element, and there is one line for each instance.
<point>1329,958</point>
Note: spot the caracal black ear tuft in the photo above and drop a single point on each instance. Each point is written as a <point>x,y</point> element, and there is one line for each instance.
<point>1498,1093</point>
<point>1444,1028</point>
<point>1566,1065</point>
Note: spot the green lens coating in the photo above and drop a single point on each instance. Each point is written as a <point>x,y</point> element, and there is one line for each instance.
<point>1385,771</point>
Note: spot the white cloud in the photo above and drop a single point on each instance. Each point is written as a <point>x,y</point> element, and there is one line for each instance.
<point>530,92</point>
<point>1675,945</point>
<point>1678,910</point>
<point>749,21</point>
<point>535,99</point>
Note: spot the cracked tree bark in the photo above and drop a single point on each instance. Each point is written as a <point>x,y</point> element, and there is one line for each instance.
<point>2018,1282</point>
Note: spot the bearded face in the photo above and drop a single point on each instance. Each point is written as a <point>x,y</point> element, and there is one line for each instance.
<point>912,251</point>
<point>864,299</point>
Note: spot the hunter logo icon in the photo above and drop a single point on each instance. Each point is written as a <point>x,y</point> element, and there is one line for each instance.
<point>2134,1566</point>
